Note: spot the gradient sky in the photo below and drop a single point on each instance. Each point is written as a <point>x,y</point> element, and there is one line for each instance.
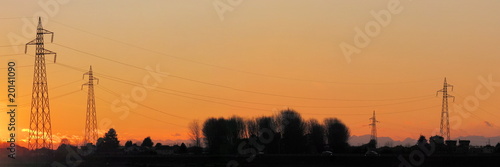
<point>280,47</point>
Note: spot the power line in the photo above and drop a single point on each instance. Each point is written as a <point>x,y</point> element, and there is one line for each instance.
<point>143,114</point>
<point>3,46</point>
<point>117,95</point>
<point>269,104</point>
<point>478,118</point>
<point>53,88</point>
<point>459,95</point>
<point>229,87</point>
<point>231,69</point>
<point>7,18</point>
<point>138,84</point>
<point>402,125</point>
<point>405,111</point>
<point>55,97</point>
<point>66,94</point>
<point>19,67</point>
<point>11,55</point>
<point>226,104</point>
<point>76,91</point>
<point>396,112</point>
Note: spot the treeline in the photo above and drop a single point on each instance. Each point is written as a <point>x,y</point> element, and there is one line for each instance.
<point>284,133</point>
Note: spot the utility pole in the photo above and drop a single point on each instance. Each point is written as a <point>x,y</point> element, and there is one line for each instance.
<point>91,118</point>
<point>373,136</point>
<point>40,132</point>
<point>445,121</point>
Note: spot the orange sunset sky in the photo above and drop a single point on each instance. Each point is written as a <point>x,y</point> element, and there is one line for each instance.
<point>254,59</point>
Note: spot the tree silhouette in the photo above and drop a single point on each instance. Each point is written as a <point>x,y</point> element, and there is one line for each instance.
<point>337,134</point>
<point>66,141</point>
<point>183,148</point>
<point>316,135</point>
<point>497,148</point>
<point>372,144</point>
<point>421,140</point>
<point>236,128</point>
<point>110,141</point>
<point>158,145</point>
<point>195,133</point>
<point>100,142</point>
<point>147,142</point>
<point>252,127</point>
<point>216,134</point>
<point>266,122</point>
<point>128,143</point>
<point>292,128</point>
<point>62,152</point>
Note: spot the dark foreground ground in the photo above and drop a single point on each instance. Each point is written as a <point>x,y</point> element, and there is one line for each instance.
<point>260,160</point>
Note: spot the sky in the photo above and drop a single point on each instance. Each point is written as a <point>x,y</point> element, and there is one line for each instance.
<point>218,58</point>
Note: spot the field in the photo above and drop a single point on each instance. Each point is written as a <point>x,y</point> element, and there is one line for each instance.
<point>260,160</point>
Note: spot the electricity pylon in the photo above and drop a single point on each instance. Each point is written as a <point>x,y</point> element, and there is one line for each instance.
<point>445,122</point>
<point>40,132</point>
<point>374,128</point>
<point>91,119</point>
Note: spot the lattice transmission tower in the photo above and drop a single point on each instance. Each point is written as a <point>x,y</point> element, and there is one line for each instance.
<point>40,132</point>
<point>374,128</point>
<point>91,118</point>
<point>445,122</point>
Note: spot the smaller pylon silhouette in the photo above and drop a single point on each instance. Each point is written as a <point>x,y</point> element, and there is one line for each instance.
<point>91,118</point>
<point>374,128</point>
<point>444,128</point>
